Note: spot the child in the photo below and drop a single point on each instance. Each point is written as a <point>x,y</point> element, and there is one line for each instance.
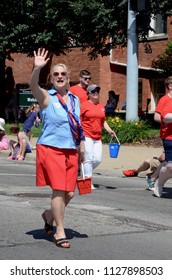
<point>31,119</point>
<point>4,145</point>
<point>21,147</point>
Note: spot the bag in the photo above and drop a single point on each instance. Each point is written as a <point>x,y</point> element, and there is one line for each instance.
<point>84,184</point>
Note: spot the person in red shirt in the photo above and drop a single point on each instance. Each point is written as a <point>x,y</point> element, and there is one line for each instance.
<point>93,120</point>
<point>163,114</point>
<point>80,89</point>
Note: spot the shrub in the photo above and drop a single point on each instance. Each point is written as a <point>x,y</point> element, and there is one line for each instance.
<point>126,131</point>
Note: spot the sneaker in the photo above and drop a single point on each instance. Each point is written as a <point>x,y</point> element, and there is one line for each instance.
<point>157,189</point>
<point>130,173</point>
<point>151,184</point>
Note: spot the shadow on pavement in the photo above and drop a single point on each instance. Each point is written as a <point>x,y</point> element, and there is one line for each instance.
<point>70,233</point>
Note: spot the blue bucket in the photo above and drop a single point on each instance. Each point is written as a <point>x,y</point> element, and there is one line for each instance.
<point>114,149</point>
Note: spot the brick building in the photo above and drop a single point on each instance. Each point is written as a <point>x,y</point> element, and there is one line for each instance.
<point>110,72</point>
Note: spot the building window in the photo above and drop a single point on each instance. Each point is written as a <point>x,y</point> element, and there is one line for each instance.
<point>157,91</point>
<point>158,24</point>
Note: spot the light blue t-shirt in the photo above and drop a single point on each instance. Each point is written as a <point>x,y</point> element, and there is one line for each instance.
<point>55,125</point>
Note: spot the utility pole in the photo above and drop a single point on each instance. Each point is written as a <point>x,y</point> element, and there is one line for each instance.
<point>132,67</point>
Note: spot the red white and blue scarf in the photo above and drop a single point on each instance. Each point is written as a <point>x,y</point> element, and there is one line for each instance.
<point>73,119</point>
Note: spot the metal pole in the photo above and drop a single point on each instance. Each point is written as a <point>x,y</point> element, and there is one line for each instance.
<point>132,68</point>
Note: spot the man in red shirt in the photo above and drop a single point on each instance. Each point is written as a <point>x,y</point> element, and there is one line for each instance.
<point>80,89</point>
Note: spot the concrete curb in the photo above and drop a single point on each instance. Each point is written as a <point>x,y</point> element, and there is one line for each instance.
<point>129,156</point>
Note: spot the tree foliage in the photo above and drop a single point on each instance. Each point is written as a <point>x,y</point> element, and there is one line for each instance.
<point>28,24</point>
<point>164,61</point>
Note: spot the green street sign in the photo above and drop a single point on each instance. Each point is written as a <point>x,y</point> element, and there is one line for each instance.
<point>26,98</point>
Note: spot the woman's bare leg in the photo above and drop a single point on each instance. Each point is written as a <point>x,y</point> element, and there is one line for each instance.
<point>60,200</point>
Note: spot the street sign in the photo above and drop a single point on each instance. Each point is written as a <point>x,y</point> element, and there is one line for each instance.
<point>25,98</point>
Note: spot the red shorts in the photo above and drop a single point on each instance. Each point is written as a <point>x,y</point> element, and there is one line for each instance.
<point>57,168</point>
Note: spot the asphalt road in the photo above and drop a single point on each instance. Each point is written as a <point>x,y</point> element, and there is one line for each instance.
<point>120,220</point>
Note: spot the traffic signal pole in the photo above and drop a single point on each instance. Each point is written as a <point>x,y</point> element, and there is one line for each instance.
<point>132,67</point>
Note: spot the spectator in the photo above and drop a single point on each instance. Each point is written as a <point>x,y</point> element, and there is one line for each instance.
<point>112,102</point>
<point>80,89</point>
<point>10,96</point>
<point>20,147</point>
<point>4,144</point>
<point>31,119</point>
<point>148,164</point>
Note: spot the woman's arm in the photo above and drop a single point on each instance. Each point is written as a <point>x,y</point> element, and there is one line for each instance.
<point>40,60</point>
<point>157,117</point>
<point>167,118</point>
<point>37,119</point>
<point>108,129</point>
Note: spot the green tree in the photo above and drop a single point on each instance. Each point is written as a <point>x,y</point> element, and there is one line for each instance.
<point>26,25</point>
<point>164,61</point>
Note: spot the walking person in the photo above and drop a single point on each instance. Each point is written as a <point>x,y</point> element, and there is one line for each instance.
<point>164,116</point>
<point>80,89</point>
<point>56,153</point>
<point>93,120</point>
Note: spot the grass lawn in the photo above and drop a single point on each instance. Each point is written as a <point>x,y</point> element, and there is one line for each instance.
<point>36,131</point>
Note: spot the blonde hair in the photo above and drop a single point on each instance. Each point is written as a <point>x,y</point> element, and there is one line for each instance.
<point>66,69</point>
<point>31,108</point>
<point>61,65</point>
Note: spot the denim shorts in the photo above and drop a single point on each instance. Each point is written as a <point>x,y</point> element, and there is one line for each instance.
<point>28,149</point>
<point>167,144</point>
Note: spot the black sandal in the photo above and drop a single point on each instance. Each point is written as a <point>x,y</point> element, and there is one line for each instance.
<point>60,243</point>
<point>47,228</point>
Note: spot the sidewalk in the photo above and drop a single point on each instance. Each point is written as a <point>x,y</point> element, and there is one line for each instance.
<point>129,156</point>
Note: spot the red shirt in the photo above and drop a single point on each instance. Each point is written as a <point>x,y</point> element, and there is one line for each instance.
<point>80,92</point>
<point>92,119</point>
<point>164,107</point>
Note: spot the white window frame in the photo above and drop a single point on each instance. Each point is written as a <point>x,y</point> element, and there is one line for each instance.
<point>155,20</point>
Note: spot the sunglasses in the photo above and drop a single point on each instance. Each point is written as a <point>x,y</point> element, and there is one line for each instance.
<point>95,90</point>
<point>86,78</point>
<point>63,74</point>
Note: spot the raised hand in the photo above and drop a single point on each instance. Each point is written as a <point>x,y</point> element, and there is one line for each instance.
<point>41,58</point>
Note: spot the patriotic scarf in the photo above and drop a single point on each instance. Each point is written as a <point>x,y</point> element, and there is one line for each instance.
<point>73,119</point>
